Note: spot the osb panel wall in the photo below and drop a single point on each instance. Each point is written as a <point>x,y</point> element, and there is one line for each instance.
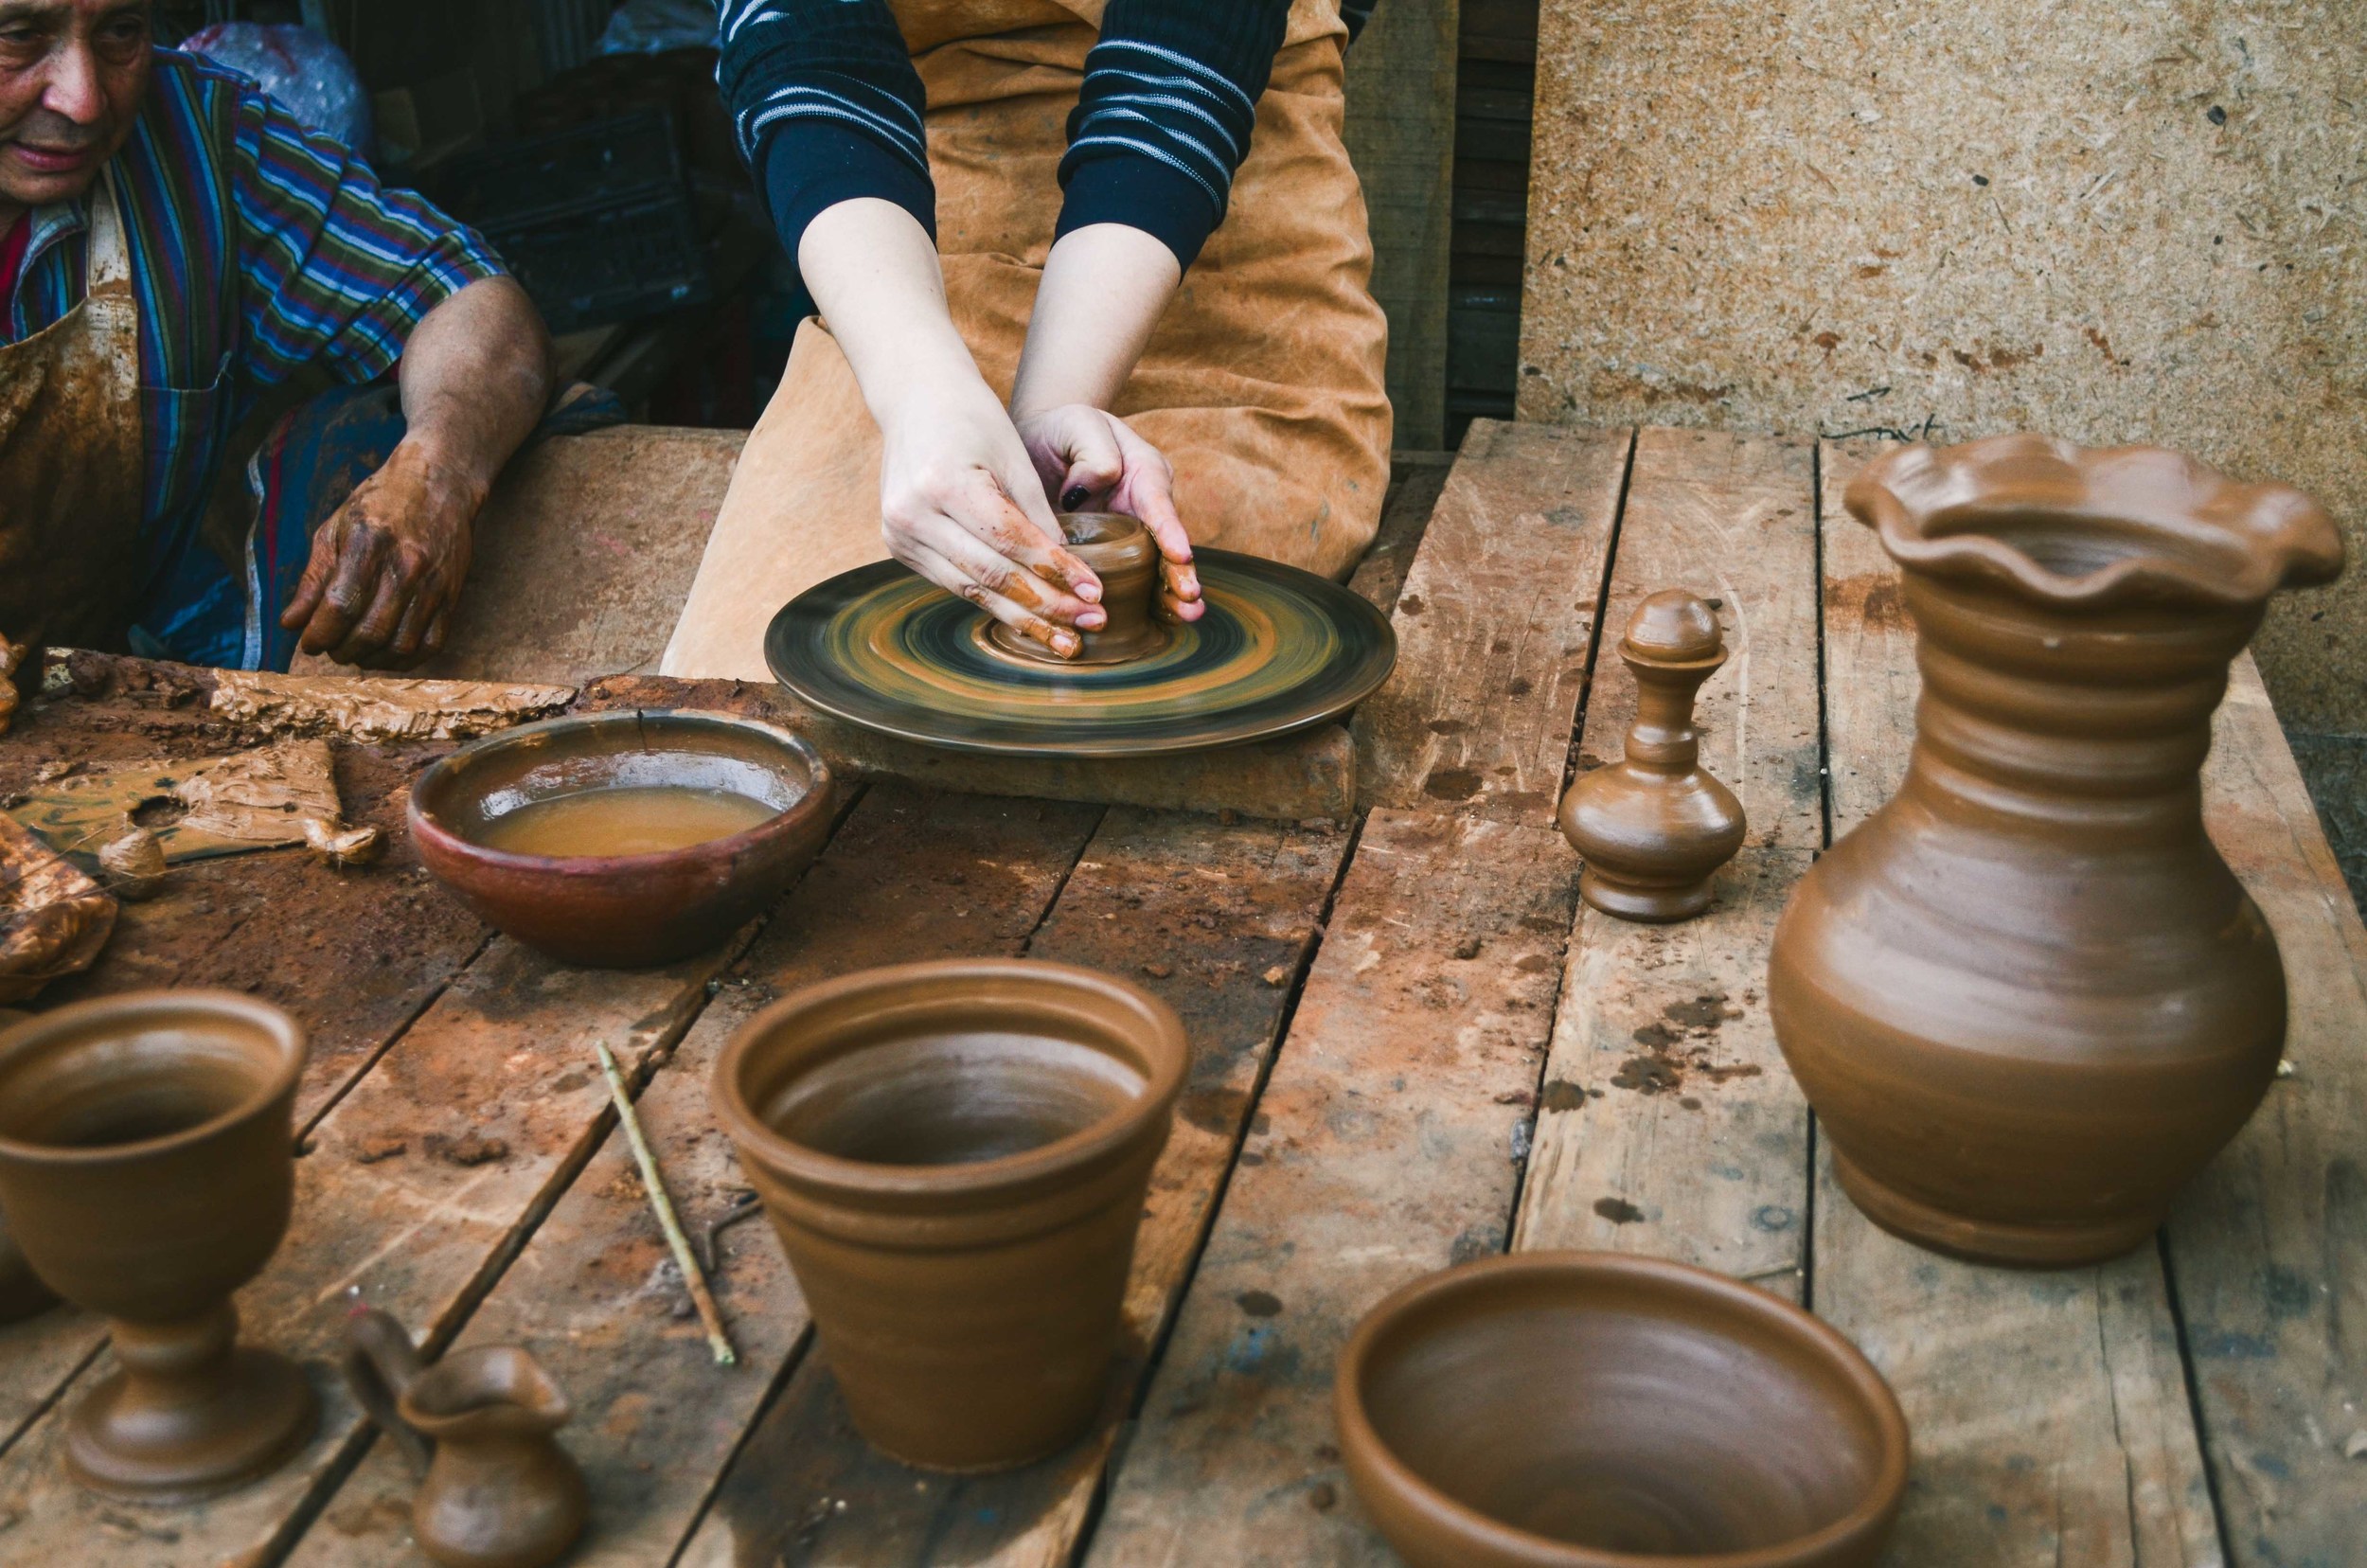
<point>2118,220</point>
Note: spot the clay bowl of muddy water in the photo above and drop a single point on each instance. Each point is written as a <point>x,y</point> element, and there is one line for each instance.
<point>955,1156</point>
<point>623,840</point>
<point>1588,1409</point>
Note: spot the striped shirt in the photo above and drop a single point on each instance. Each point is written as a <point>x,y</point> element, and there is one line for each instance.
<point>828,107</point>
<point>259,248</point>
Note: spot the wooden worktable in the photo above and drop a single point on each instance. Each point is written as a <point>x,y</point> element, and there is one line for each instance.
<point>1413,1047</point>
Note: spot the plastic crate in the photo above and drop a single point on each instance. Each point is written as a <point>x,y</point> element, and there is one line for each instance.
<point>595,219</point>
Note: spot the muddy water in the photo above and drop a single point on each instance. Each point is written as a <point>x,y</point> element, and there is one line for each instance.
<point>637,821</point>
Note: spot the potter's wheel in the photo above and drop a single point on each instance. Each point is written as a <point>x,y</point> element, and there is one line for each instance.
<point>1277,651</point>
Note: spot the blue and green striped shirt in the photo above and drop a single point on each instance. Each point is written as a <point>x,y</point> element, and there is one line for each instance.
<point>259,248</point>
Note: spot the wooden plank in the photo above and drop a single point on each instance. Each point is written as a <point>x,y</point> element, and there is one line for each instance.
<point>1404,518</point>
<point>2267,1251</point>
<point>2049,1410</point>
<point>1496,626</point>
<point>584,555</point>
<point>1732,518</point>
<point>1202,914</point>
<point>353,955</point>
<point>1384,1145</point>
<point>909,876</point>
<point>1400,94</point>
<point>416,1190</point>
<point>1669,1123</point>
<point>1311,773</point>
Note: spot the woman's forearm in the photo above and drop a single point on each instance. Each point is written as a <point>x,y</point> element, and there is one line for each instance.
<point>1104,287</point>
<point>873,271</point>
<point>475,378</point>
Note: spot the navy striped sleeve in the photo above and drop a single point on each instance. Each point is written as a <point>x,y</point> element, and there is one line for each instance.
<point>827,106</point>
<point>1164,119</point>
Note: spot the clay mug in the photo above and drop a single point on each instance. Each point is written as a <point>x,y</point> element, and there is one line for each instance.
<point>1596,1410</point>
<point>148,1167</point>
<point>2027,997</point>
<point>955,1156</point>
<point>1124,555</point>
<point>482,1425</point>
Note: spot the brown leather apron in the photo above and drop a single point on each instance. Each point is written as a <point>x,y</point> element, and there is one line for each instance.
<point>1262,384</point>
<point>72,459</point>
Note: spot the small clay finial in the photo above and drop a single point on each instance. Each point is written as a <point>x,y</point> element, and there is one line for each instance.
<point>1653,825</point>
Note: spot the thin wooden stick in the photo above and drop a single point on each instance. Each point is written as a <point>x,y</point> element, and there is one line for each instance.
<point>717,1340</point>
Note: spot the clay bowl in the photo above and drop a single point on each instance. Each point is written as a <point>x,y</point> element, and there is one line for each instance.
<point>628,911</point>
<point>1587,1410</point>
<point>955,1156</point>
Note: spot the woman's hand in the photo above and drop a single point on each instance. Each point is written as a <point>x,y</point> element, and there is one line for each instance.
<point>1091,460</point>
<point>960,505</point>
<point>386,568</point>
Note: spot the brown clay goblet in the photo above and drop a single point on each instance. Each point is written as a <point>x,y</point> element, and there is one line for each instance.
<point>1589,1410</point>
<point>955,1156</point>
<point>148,1162</point>
<point>1124,555</point>
<point>623,911</point>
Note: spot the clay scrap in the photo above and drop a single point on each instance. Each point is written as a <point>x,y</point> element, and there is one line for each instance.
<point>221,805</point>
<point>380,708</point>
<point>54,919</point>
<point>11,659</point>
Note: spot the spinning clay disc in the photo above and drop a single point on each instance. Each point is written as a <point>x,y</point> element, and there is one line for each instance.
<point>1277,650</point>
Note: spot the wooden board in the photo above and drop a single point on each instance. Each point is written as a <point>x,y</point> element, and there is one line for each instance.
<point>909,876</point>
<point>1496,627</point>
<point>414,1191</point>
<point>584,555</point>
<point>1669,1124</point>
<point>1201,914</point>
<point>1416,480</point>
<point>2267,1251</point>
<point>1308,774</point>
<point>1401,135</point>
<point>1385,1145</point>
<point>1732,518</point>
<point>2049,1410</point>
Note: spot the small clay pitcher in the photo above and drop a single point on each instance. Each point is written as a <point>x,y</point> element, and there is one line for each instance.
<point>2027,998</point>
<point>1655,824</point>
<point>148,1167</point>
<point>955,1156</point>
<point>482,1425</point>
<point>1124,555</point>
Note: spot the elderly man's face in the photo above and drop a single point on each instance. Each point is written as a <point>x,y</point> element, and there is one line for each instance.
<point>72,74</point>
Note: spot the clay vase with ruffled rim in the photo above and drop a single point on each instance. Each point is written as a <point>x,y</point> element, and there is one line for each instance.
<point>1124,555</point>
<point>148,1164</point>
<point>955,1156</point>
<point>2027,998</point>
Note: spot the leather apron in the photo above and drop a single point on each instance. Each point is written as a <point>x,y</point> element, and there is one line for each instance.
<point>72,459</point>
<point>1262,385</point>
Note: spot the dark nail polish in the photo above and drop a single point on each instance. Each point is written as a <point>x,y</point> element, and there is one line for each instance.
<point>1073,497</point>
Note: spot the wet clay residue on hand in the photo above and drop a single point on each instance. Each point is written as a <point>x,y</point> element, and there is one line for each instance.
<point>1124,555</point>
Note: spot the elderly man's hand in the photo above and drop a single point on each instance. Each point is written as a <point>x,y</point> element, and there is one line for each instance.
<point>386,570</point>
